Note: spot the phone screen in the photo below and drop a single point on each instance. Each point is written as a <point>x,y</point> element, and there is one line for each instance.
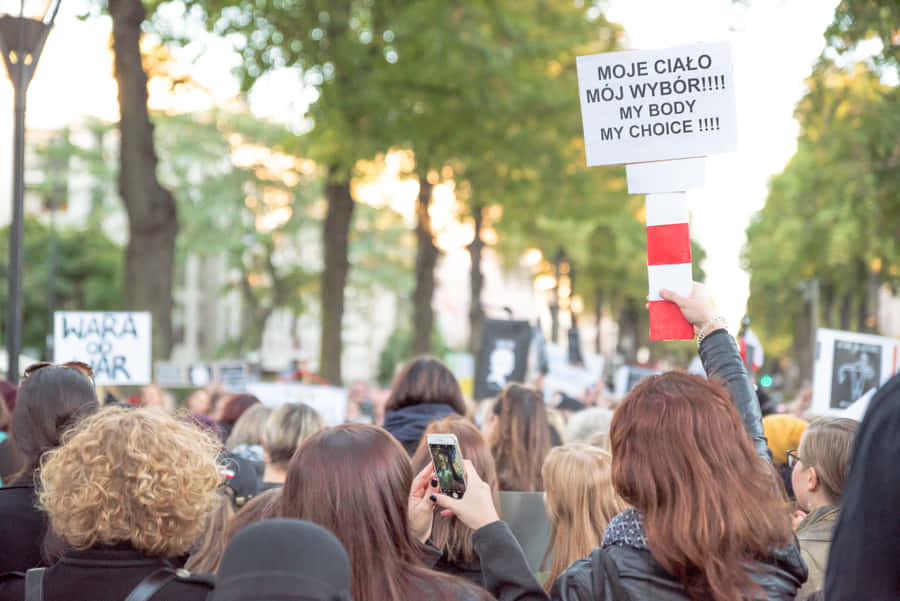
<point>448,467</point>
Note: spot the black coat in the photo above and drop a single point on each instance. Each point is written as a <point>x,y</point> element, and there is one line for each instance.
<point>22,528</point>
<point>104,574</point>
<point>504,568</point>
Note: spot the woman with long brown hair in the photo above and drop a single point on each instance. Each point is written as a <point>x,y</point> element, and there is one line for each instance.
<point>448,534</point>
<point>519,437</point>
<point>357,481</point>
<point>707,519</point>
<point>580,503</point>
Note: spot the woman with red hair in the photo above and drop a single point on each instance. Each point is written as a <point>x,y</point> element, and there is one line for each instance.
<point>689,456</point>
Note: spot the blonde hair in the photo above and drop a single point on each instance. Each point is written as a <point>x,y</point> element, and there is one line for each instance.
<point>130,475</point>
<point>580,503</point>
<point>208,550</point>
<point>286,428</point>
<point>826,445</point>
<point>248,429</point>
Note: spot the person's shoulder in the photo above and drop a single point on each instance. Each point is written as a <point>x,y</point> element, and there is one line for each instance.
<point>187,586</point>
<point>12,586</point>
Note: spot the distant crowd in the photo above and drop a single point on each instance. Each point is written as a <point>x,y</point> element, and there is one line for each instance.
<point>683,491</point>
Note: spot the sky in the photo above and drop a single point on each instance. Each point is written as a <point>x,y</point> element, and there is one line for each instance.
<point>775,43</point>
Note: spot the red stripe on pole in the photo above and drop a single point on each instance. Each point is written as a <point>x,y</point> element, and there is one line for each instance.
<point>668,244</point>
<point>667,322</point>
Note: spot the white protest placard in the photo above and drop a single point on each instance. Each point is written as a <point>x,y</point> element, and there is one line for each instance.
<point>655,105</point>
<point>847,366</point>
<point>329,401</point>
<point>117,345</point>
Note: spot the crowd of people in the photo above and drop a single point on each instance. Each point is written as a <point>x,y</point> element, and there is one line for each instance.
<point>683,492</point>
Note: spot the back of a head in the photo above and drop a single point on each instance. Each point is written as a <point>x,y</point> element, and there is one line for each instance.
<point>426,380</point>
<point>863,560</point>
<point>354,480</point>
<point>521,438</point>
<point>448,533</point>
<point>50,400</point>
<point>264,506</point>
<point>682,458</point>
<point>580,501</point>
<point>827,445</point>
<point>783,432</point>
<point>248,429</point>
<point>236,405</point>
<point>131,475</point>
<point>590,426</point>
<point>281,560</point>
<point>286,428</point>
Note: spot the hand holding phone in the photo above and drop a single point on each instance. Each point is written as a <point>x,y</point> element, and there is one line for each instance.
<point>448,464</point>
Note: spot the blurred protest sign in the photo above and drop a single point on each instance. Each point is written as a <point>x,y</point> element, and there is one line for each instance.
<point>628,376</point>
<point>503,357</point>
<point>463,367</point>
<point>571,379</point>
<point>847,366</point>
<point>115,344</point>
<point>653,105</point>
<point>329,401</point>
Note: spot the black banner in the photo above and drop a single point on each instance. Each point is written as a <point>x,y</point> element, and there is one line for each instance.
<point>503,357</point>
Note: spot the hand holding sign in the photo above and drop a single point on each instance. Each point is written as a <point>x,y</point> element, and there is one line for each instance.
<point>696,307</point>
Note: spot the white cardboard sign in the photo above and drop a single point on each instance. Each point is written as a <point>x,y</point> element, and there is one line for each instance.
<point>655,105</point>
<point>847,366</point>
<point>117,345</point>
<point>329,401</point>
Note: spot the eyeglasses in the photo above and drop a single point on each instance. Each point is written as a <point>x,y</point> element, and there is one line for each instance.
<point>82,368</point>
<point>793,458</point>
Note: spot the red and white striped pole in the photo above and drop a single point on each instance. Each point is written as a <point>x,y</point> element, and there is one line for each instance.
<point>668,238</point>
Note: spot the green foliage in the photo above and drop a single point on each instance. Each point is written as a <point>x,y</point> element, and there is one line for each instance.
<point>832,214</point>
<point>397,350</point>
<point>859,20</point>
<point>88,276</point>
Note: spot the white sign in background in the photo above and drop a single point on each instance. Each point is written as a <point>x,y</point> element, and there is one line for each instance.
<point>655,105</point>
<point>848,367</point>
<point>117,345</point>
<point>329,401</point>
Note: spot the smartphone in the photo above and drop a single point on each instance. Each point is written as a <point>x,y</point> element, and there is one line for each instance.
<point>448,464</point>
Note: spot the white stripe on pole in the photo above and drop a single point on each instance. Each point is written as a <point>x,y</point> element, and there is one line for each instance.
<point>664,209</point>
<point>676,278</point>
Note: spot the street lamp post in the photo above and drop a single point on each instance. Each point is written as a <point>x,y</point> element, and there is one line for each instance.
<point>22,38</point>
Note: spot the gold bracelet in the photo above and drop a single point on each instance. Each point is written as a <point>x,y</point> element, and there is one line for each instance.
<point>705,330</point>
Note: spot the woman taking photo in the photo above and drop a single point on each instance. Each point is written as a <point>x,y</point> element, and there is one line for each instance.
<point>450,536</point>
<point>707,519</point>
<point>356,480</point>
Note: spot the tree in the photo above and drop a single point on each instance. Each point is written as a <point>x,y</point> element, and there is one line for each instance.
<point>151,209</point>
<point>88,276</point>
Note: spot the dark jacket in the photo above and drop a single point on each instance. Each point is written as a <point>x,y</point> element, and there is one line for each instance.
<point>104,574</point>
<point>471,571</point>
<point>624,541</point>
<point>504,568</point>
<point>407,424</point>
<point>22,528</point>
<point>645,580</point>
<point>864,559</point>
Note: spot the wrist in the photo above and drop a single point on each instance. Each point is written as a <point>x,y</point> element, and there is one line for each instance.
<point>717,322</point>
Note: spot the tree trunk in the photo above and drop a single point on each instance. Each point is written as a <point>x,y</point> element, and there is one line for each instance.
<point>846,310</point>
<point>335,240</point>
<point>872,285</point>
<point>628,332</point>
<point>828,300</point>
<point>476,309</point>
<point>152,214</point>
<point>426,260</point>
<point>862,307</point>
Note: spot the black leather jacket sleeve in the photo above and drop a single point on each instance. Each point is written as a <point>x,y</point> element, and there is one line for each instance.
<point>504,566</point>
<point>721,359</point>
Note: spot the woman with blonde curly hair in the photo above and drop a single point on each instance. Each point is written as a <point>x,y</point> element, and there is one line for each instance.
<point>128,491</point>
